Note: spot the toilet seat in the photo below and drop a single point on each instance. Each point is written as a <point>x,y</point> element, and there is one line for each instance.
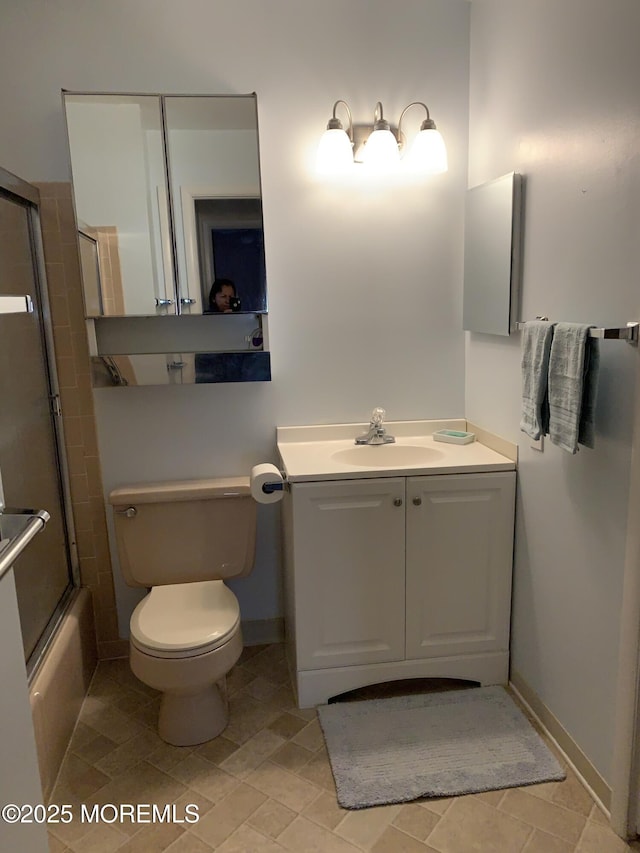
<point>185,620</point>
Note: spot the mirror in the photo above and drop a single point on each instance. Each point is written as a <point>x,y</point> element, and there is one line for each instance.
<point>119,186</point>
<point>216,202</point>
<point>492,256</point>
<point>90,268</point>
<point>161,243</point>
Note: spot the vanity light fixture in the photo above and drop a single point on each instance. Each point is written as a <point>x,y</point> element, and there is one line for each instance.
<point>381,150</point>
<point>379,147</point>
<point>335,152</point>
<point>428,151</point>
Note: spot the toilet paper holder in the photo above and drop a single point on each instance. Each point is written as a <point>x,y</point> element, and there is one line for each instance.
<point>270,488</point>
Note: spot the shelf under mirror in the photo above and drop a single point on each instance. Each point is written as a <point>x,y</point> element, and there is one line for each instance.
<point>210,333</point>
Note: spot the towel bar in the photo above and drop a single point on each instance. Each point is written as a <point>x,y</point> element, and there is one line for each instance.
<point>628,333</point>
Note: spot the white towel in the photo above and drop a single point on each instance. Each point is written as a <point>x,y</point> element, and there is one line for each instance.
<point>573,378</point>
<point>536,346</point>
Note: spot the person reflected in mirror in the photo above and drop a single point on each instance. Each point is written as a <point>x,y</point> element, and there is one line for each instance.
<point>223,298</point>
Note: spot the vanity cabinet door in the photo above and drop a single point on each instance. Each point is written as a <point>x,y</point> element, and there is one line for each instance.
<point>459,562</point>
<point>348,552</point>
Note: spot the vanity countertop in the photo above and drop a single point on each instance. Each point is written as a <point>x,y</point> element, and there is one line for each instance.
<point>329,452</point>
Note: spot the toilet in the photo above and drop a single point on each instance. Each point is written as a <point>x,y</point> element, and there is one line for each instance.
<point>182,540</point>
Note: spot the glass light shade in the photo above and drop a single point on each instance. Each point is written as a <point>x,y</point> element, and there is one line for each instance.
<point>381,150</point>
<point>335,152</point>
<point>428,153</point>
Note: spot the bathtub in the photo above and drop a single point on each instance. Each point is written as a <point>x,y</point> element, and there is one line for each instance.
<point>59,685</point>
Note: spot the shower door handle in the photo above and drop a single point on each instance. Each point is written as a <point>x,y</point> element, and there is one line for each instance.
<point>16,304</point>
<point>23,525</point>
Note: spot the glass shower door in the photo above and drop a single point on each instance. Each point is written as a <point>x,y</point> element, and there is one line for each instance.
<point>29,450</point>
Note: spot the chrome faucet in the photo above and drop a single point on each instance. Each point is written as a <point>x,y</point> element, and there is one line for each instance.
<point>377,433</point>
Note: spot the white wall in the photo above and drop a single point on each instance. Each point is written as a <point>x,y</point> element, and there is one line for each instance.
<point>17,741</point>
<point>364,281</point>
<point>554,95</point>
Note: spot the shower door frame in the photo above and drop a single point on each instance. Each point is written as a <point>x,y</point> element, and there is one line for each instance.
<point>28,196</point>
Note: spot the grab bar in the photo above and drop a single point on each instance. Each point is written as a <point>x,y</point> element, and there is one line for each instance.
<point>27,524</point>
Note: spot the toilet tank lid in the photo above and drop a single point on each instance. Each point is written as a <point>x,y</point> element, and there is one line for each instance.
<point>180,490</point>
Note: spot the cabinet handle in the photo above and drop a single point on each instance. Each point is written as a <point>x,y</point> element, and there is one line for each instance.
<point>397,501</point>
<point>417,501</point>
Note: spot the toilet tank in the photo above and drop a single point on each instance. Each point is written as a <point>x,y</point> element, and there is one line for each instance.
<point>184,531</point>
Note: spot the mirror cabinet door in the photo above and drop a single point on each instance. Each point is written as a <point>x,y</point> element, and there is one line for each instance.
<point>119,181</point>
<point>161,247</point>
<point>212,146</point>
<point>492,256</point>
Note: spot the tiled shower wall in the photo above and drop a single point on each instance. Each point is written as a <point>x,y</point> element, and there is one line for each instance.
<point>73,366</point>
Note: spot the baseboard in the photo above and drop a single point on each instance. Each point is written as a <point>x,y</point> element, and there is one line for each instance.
<point>259,632</point>
<point>575,757</point>
<point>113,649</point>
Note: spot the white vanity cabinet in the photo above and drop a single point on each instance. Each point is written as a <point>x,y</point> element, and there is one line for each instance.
<point>398,577</point>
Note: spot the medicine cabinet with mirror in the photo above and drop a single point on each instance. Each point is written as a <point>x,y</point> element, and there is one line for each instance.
<point>168,199</point>
<point>492,255</point>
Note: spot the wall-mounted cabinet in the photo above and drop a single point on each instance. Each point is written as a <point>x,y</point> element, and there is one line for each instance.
<point>168,200</point>
<point>492,255</point>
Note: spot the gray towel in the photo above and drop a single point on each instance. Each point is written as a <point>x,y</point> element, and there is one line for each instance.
<point>573,382</point>
<point>536,346</point>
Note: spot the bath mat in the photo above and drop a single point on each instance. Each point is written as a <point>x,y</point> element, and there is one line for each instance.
<point>432,745</point>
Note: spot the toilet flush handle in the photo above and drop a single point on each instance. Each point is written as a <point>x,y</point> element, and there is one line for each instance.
<point>129,512</point>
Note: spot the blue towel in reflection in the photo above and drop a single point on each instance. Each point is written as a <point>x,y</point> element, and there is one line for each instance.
<point>537,336</point>
<point>573,381</point>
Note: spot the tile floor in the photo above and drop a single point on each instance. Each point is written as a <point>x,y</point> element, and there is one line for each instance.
<point>265,785</point>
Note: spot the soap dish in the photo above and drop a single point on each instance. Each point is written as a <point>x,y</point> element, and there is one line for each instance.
<point>454,436</point>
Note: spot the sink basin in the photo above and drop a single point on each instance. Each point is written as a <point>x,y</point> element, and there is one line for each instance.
<point>386,455</point>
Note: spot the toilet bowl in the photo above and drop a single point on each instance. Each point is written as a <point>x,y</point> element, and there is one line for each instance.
<point>182,539</point>
<point>184,639</point>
